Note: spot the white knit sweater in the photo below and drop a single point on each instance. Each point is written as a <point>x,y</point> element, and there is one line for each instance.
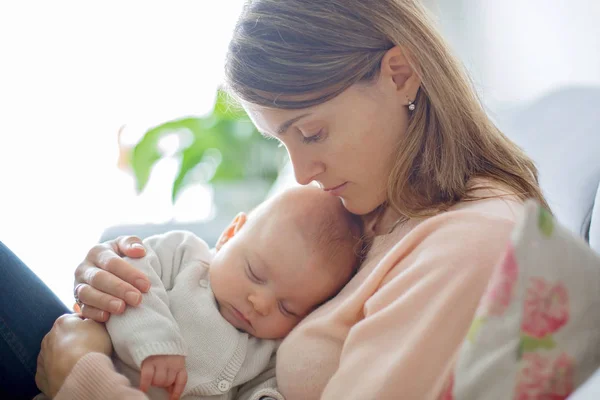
<point>179,315</point>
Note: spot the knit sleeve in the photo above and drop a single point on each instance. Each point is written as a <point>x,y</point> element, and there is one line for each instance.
<point>417,317</point>
<point>150,329</point>
<point>94,378</point>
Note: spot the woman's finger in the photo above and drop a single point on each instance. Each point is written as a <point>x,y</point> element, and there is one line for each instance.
<point>105,257</point>
<point>40,368</point>
<point>94,314</point>
<point>41,381</point>
<point>103,288</point>
<point>109,261</point>
<point>95,298</point>
<point>130,246</point>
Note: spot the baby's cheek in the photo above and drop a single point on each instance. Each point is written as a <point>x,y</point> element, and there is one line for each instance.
<point>280,327</point>
<point>289,324</point>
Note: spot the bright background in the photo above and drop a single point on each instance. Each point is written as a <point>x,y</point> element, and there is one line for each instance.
<point>72,73</point>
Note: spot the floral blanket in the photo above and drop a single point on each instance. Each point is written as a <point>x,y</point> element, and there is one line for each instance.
<point>536,334</point>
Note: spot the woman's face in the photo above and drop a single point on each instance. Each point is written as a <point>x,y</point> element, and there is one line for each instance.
<point>347,144</point>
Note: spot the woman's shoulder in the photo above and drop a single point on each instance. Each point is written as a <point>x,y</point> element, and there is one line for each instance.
<point>474,230</point>
<point>471,227</point>
<point>491,199</point>
<point>491,210</point>
<point>490,207</point>
<point>467,241</point>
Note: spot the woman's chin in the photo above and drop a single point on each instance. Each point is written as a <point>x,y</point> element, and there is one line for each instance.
<point>356,208</point>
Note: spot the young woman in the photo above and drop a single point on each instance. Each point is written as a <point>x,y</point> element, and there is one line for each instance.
<point>370,104</point>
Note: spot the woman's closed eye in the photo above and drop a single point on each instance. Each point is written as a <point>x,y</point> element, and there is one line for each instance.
<point>313,138</point>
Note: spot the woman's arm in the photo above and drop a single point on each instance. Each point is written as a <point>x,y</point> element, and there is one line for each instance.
<point>74,363</point>
<point>105,283</point>
<point>416,319</point>
<point>94,377</point>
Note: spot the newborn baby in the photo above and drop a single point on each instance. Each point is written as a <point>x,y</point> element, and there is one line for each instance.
<point>209,326</point>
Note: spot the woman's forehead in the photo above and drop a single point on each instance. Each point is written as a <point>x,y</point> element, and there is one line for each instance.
<point>275,121</point>
<point>270,119</point>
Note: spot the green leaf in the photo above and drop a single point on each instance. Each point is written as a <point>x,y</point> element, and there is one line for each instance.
<point>146,153</point>
<point>520,350</point>
<point>191,156</point>
<point>530,344</point>
<point>545,222</point>
<point>243,151</point>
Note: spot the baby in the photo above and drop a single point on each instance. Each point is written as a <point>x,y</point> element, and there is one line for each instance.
<point>210,324</point>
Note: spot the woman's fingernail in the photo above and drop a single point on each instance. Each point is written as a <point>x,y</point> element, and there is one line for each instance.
<point>132,298</point>
<point>137,246</point>
<point>142,284</point>
<point>115,306</point>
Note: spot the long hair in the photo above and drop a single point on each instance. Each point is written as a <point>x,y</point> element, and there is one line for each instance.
<point>293,54</point>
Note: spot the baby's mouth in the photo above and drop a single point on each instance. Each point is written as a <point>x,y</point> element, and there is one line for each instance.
<point>238,315</point>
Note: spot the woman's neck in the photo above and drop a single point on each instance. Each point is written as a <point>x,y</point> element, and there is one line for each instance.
<point>381,221</point>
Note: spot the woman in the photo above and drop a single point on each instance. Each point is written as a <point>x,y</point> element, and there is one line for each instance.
<point>369,103</point>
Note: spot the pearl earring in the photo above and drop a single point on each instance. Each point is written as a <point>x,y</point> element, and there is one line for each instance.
<point>411,106</point>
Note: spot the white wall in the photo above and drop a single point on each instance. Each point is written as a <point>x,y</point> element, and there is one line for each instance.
<point>518,50</point>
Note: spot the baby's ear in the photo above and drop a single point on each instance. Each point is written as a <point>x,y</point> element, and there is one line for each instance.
<point>233,228</point>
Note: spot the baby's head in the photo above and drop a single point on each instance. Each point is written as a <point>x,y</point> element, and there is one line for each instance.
<point>277,264</point>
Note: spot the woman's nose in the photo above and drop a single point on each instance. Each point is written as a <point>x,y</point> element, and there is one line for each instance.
<point>306,168</point>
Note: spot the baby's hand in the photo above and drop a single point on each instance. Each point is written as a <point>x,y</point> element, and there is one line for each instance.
<point>165,371</point>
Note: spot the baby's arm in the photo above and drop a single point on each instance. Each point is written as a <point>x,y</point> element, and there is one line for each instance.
<point>150,329</point>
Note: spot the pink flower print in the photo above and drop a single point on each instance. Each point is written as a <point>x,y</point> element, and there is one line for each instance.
<point>533,374</point>
<point>563,377</point>
<point>546,308</point>
<point>500,289</point>
<point>542,378</point>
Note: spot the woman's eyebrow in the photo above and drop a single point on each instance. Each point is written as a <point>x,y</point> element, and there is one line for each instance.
<point>286,125</point>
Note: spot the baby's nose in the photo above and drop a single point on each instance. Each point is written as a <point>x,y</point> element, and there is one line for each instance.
<point>262,304</point>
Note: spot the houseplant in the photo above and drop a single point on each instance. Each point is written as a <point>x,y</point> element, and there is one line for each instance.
<point>222,148</point>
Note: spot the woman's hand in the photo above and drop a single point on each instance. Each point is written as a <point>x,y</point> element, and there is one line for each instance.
<point>68,341</point>
<point>105,283</point>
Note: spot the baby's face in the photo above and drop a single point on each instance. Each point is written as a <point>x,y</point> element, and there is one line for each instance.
<point>267,277</point>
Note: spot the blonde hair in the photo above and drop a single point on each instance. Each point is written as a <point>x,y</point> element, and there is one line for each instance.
<point>294,54</point>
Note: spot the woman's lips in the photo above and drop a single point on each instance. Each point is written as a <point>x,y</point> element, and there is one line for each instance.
<point>336,190</point>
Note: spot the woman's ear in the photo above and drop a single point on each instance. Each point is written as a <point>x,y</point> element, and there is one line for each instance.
<point>233,228</point>
<point>395,66</point>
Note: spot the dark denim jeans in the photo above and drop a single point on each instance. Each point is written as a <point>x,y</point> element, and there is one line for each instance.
<point>28,309</point>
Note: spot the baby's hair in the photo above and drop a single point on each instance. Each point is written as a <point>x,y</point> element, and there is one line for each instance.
<point>335,231</point>
<point>339,237</point>
<point>334,235</point>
